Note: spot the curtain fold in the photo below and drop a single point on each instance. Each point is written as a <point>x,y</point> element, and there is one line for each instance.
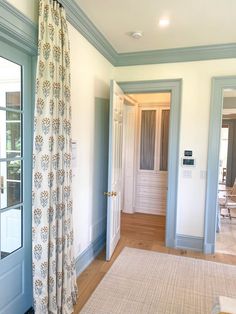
<point>54,276</point>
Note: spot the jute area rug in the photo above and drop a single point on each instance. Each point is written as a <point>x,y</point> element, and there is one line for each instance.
<point>143,281</point>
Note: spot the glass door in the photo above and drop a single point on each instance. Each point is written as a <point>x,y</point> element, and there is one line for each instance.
<point>15,182</point>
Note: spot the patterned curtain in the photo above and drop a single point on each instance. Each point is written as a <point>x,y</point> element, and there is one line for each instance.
<point>54,277</point>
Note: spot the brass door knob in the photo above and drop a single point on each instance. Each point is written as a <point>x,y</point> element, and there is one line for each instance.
<point>110,194</point>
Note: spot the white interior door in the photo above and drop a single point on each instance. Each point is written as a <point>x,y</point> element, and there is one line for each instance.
<point>114,193</point>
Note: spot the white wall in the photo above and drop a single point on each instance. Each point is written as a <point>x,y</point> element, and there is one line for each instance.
<point>90,74</point>
<point>196,93</point>
<point>27,7</point>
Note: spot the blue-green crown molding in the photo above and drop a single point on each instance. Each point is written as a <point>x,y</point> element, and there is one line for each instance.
<point>84,25</point>
<point>77,18</point>
<point>17,29</point>
<point>25,35</point>
<point>178,55</point>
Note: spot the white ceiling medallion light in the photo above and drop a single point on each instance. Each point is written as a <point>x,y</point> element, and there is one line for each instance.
<point>136,35</point>
<point>164,22</point>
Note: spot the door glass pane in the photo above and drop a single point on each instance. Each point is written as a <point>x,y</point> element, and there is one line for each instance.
<point>10,183</point>
<point>10,148</point>
<point>10,134</point>
<point>147,143</point>
<point>13,135</point>
<point>11,231</point>
<point>13,99</point>
<point>165,117</point>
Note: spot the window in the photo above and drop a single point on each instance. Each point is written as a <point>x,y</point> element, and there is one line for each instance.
<point>10,158</point>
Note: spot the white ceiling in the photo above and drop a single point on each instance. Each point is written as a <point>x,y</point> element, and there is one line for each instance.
<point>192,22</point>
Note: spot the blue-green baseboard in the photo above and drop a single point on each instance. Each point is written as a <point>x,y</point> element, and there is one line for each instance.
<point>189,242</point>
<point>89,254</point>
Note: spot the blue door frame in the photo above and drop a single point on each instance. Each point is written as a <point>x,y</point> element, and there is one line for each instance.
<point>218,86</point>
<point>17,267</point>
<point>175,88</point>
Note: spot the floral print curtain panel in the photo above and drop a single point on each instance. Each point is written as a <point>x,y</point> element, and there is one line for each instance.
<point>54,277</point>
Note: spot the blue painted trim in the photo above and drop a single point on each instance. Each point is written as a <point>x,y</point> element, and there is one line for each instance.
<point>16,29</point>
<point>87,256</point>
<point>84,25</point>
<point>77,18</point>
<point>189,242</point>
<point>185,54</point>
<point>25,300</point>
<point>218,85</point>
<point>20,31</point>
<point>175,87</point>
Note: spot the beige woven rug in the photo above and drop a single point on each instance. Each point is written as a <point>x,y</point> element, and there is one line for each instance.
<point>142,281</point>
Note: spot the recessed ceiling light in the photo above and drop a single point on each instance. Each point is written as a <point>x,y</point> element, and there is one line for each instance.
<point>136,35</point>
<point>164,22</point>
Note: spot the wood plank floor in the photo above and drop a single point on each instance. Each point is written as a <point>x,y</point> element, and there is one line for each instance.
<point>137,231</point>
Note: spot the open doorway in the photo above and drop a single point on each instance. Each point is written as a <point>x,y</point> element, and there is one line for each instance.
<point>115,170</point>
<point>145,153</point>
<point>145,164</point>
<point>226,231</point>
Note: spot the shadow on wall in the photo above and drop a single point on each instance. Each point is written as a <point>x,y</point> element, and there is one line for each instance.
<point>100,171</point>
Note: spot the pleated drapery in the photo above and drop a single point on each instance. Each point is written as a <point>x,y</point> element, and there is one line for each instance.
<point>54,277</point>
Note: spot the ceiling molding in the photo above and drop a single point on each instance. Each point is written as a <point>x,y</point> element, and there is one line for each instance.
<point>17,29</point>
<point>178,55</point>
<point>77,18</point>
<point>85,26</point>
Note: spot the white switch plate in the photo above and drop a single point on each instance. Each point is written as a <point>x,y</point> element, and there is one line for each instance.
<point>187,174</point>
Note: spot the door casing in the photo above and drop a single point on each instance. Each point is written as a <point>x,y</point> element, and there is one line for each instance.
<point>175,88</point>
<point>218,86</point>
<point>13,54</point>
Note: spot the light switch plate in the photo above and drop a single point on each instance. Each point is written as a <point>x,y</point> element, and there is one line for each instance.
<point>187,174</point>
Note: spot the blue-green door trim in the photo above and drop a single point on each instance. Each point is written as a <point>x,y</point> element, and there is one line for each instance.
<point>21,58</point>
<point>18,37</point>
<point>218,86</point>
<point>175,87</point>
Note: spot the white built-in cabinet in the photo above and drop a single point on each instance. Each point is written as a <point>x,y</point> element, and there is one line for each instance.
<point>145,158</point>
